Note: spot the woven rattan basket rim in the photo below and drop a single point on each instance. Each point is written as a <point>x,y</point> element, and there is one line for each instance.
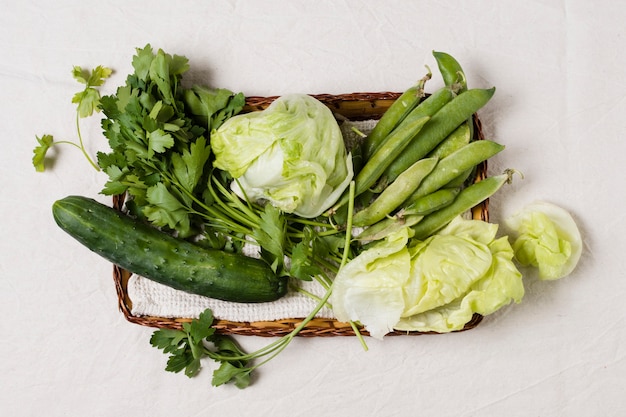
<point>354,106</point>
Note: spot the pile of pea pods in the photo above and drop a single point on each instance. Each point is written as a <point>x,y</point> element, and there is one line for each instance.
<point>419,157</point>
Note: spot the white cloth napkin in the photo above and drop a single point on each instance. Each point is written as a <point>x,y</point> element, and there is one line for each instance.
<point>153,299</point>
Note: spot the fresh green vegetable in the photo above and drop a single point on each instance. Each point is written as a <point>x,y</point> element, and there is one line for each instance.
<point>467,198</point>
<point>387,226</point>
<point>454,165</point>
<point>377,163</point>
<point>431,285</point>
<point>160,154</point>
<point>431,202</point>
<point>455,141</point>
<point>439,127</point>
<point>451,71</point>
<point>186,348</point>
<point>291,154</point>
<point>146,251</point>
<point>393,196</point>
<point>394,115</point>
<point>546,237</point>
<point>87,103</point>
<point>463,269</point>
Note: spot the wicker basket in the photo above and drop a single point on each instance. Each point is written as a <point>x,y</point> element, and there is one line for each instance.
<point>354,106</point>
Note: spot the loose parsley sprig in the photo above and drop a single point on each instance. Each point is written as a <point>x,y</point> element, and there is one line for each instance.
<point>196,340</point>
<point>87,103</point>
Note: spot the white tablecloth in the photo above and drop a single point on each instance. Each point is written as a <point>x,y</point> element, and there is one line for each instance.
<point>558,67</point>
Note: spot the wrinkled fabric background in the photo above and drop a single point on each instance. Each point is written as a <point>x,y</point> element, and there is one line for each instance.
<point>559,108</point>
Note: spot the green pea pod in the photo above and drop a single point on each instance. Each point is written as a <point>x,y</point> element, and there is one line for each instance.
<point>455,141</point>
<point>444,122</point>
<point>386,226</point>
<point>450,70</point>
<point>376,165</point>
<point>427,108</point>
<point>459,181</point>
<point>391,198</point>
<point>453,76</point>
<point>466,200</point>
<point>394,115</point>
<point>455,164</point>
<point>431,202</point>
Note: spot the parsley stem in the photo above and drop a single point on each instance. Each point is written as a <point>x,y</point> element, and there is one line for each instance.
<point>82,145</point>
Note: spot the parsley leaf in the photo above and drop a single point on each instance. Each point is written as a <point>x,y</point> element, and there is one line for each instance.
<point>88,100</point>
<point>270,235</point>
<point>189,166</point>
<point>39,157</point>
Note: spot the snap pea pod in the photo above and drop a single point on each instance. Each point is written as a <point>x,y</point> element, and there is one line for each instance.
<point>386,226</point>
<point>467,199</point>
<point>392,117</point>
<point>377,163</point>
<point>454,165</point>
<point>461,179</point>
<point>454,77</point>
<point>450,70</point>
<point>460,137</point>
<point>441,124</point>
<point>394,195</point>
<point>433,103</point>
<point>431,202</point>
<point>426,108</point>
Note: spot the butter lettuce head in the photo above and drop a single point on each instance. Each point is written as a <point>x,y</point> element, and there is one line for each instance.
<point>477,291</point>
<point>291,154</point>
<point>432,285</point>
<point>546,237</point>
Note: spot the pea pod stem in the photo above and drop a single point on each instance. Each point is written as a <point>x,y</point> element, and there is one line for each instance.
<point>441,124</point>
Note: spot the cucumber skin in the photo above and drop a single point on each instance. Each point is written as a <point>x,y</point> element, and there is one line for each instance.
<point>146,251</point>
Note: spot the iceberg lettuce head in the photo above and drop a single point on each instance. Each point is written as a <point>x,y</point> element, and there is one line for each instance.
<point>291,154</point>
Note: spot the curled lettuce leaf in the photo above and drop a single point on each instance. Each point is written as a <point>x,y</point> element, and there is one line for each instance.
<point>291,154</point>
<point>545,236</point>
<point>461,270</point>
<point>370,288</point>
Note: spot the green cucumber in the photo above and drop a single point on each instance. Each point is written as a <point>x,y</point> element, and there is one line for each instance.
<point>153,254</point>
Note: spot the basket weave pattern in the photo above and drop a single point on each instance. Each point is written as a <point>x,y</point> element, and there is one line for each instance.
<point>353,106</point>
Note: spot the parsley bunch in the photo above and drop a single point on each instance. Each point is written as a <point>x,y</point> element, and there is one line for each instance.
<point>158,132</point>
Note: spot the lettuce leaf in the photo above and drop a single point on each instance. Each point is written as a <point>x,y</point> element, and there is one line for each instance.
<point>545,237</point>
<point>370,288</point>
